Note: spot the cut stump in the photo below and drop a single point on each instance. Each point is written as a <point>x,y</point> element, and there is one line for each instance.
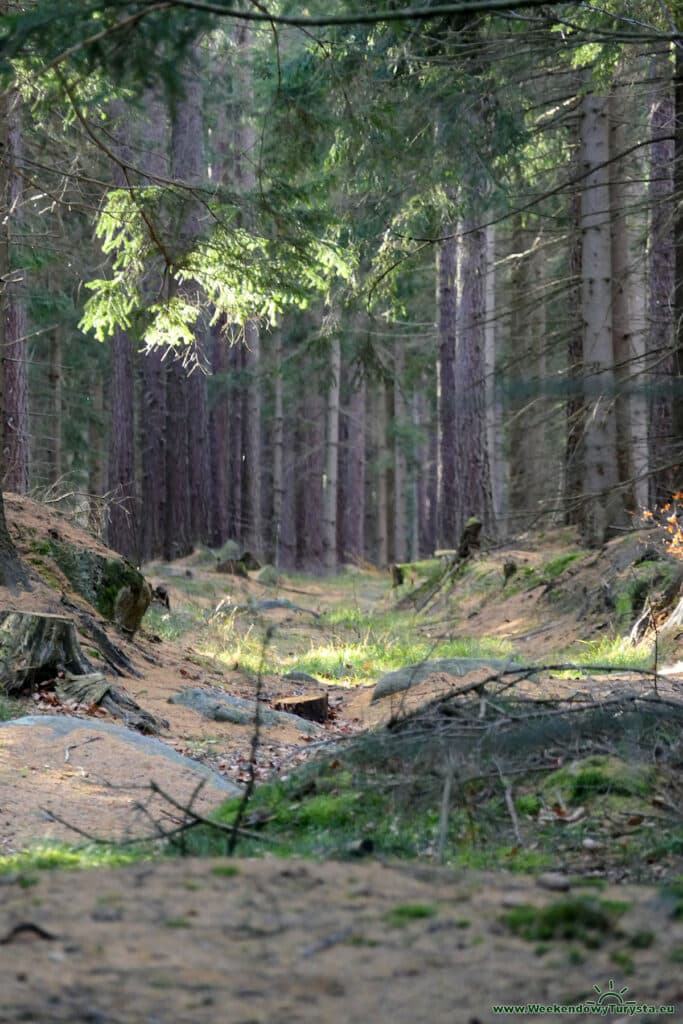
<point>314,709</point>
<point>34,648</point>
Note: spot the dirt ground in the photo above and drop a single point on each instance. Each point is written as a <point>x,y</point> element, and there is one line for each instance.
<point>270,941</point>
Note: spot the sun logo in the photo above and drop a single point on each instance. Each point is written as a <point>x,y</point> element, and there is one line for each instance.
<point>611,995</point>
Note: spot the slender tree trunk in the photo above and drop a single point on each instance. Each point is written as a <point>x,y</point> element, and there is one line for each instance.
<point>177,524</point>
<point>151,366</point>
<point>678,257</point>
<point>601,498</point>
<point>354,509</point>
<point>381,482</point>
<point>235,432</point>
<point>447,300</point>
<point>245,179</point>
<point>660,334</point>
<point>278,450</point>
<point>95,448</point>
<point>122,525</point>
<point>628,308</point>
<point>55,378</point>
<point>153,415</point>
<point>575,407</point>
<point>332,456</point>
<point>122,533</point>
<point>190,418</point>
<point>473,494</point>
<point>310,508</point>
<point>400,464</point>
<point>494,410</point>
<point>16,428</point>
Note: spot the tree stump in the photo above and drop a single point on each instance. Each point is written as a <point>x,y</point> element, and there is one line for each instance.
<point>313,708</point>
<point>34,648</point>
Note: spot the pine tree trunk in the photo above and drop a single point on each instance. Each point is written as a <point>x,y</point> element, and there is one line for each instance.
<point>381,482</point>
<point>153,417</point>
<point>245,180</point>
<point>473,494</point>
<point>187,397</point>
<point>447,299</point>
<point>660,334</point>
<point>494,409</point>
<point>219,438</point>
<point>235,433</point>
<point>53,453</point>
<point>400,553</point>
<point>628,308</point>
<point>122,534</point>
<point>122,525</point>
<point>575,407</point>
<point>354,508</point>
<point>310,511</point>
<point>151,366</point>
<point>278,450</point>
<point>332,456</point>
<point>16,429</point>
<point>678,260</point>
<point>601,499</point>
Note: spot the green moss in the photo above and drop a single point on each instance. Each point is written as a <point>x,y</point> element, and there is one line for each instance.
<point>551,570</point>
<point>576,919</point>
<point>529,805</point>
<point>584,780</point>
<point>404,913</point>
<point>56,856</point>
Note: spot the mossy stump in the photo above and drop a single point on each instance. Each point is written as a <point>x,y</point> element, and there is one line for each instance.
<point>34,648</point>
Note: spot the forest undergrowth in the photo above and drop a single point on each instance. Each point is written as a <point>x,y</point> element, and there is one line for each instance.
<point>540,758</point>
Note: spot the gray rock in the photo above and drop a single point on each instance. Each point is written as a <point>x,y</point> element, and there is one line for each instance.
<point>223,707</point>
<point>301,677</point>
<point>63,725</point>
<point>411,675</point>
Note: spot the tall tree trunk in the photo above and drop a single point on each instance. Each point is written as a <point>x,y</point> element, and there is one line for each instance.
<point>151,366</point>
<point>473,494</point>
<point>245,179</point>
<point>601,498</point>
<point>380,473</point>
<point>122,525</point>
<point>354,507</point>
<point>400,553</point>
<point>278,450</point>
<point>153,416</point>
<point>494,410</point>
<point>191,494</point>
<point>122,533</point>
<point>177,520</point>
<point>575,407</point>
<point>235,433</point>
<point>332,456</point>
<point>628,307</point>
<point>310,509</point>
<point>55,378</point>
<point>447,301</point>
<point>16,430</point>
<point>660,333</point>
<point>678,255</point>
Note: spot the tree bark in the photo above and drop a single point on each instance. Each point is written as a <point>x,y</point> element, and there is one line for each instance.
<point>16,429</point>
<point>601,499</point>
<point>332,456</point>
<point>473,494</point>
<point>660,327</point>
<point>400,552</point>
<point>628,306</point>
<point>278,450</point>
<point>447,300</point>
<point>354,507</point>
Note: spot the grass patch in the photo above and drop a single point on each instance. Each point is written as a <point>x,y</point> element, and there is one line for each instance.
<point>59,857</point>
<point>171,625</point>
<point>404,913</point>
<point>576,919</point>
<point>551,570</point>
<point>614,652</point>
<point>10,708</point>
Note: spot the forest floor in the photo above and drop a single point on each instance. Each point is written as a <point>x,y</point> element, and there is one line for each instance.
<point>367,926</point>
